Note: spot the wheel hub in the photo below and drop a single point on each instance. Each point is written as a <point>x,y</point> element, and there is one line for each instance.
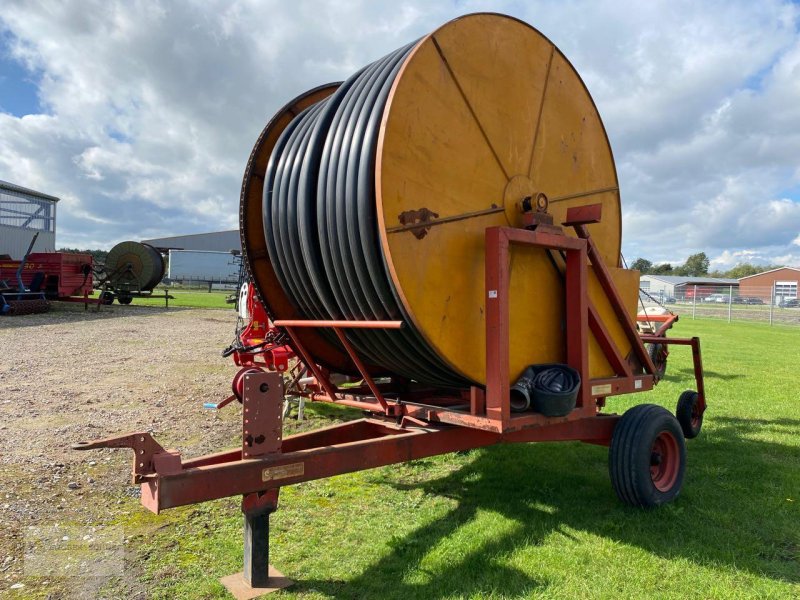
<point>664,461</point>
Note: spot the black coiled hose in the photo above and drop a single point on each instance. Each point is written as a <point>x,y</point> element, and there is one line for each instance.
<point>550,389</point>
<point>320,223</point>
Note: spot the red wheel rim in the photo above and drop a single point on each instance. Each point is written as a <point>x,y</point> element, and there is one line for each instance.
<point>664,461</point>
<point>696,415</point>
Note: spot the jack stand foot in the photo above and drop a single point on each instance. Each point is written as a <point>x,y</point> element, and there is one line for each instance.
<point>258,577</point>
<point>240,590</point>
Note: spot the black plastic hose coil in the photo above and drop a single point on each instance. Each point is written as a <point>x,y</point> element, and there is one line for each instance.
<point>320,223</point>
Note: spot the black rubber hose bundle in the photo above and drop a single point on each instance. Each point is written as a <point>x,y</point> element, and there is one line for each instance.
<point>548,389</point>
<point>320,223</point>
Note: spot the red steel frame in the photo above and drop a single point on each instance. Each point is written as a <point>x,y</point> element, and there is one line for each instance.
<point>404,426</point>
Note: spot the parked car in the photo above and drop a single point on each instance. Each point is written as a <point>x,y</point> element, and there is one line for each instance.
<point>791,303</point>
<point>720,298</point>
<point>754,300</point>
<point>670,300</point>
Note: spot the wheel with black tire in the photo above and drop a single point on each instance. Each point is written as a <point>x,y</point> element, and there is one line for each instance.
<point>107,298</point>
<point>124,299</point>
<point>647,457</point>
<point>658,354</point>
<point>689,414</point>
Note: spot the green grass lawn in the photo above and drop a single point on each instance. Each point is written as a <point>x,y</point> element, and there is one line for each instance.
<point>538,520</point>
<point>185,299</point>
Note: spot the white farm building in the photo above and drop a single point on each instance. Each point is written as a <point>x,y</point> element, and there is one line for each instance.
<point>662,287</point>
<point>23,212</point>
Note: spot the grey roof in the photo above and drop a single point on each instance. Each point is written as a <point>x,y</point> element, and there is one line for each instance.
<point>220,241</point>
<point>12,187</point>
<point>680,280</point>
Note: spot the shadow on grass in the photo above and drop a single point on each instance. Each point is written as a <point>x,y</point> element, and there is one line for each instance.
<point>688,375</point>
<point>732,514</point>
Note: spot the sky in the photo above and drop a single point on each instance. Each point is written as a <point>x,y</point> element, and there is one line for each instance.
<point>140,115</point>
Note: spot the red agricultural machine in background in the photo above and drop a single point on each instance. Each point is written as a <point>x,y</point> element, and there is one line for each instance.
<point>131,270</point>
<point>27,285</point>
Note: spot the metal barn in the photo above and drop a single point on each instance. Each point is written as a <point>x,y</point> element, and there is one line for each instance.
<point>23,212</point>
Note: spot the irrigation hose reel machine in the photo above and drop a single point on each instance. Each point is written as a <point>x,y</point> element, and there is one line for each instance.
<point>433,226</point>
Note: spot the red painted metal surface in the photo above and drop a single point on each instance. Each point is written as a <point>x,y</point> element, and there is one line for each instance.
<point>618,363</point>
<point>607,283</point>
<point>256,345</point>
<point>697,362</point>
<point>66,274</point>
<point>262,404</point>
<point>583,215</point>
<point>144,449</point>
<point>407,423</point>
<point>340,324</point>
<point>665,461</point>
<point>361,369</point>
<point>353,446</point>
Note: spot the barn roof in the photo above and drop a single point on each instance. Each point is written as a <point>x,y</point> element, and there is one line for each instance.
<point>770,271</point>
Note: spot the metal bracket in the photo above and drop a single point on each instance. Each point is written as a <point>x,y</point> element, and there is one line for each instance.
<point>147,453</point>
<point>262,420</point>
<point>583,215</point>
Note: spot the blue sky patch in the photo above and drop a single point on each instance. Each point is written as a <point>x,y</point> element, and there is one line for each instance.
<point>19,89</point>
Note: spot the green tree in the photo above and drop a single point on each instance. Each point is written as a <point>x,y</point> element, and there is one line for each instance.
<point>98,256</point>
<point>642,265</point>
<point>696,265</point>
<point>662,269</point>
<point>745,269</point>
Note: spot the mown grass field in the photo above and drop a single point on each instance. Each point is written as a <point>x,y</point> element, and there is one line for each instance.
<point>538,520</point>
<point>184,299</point>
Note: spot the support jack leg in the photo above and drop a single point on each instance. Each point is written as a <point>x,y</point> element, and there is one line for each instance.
<point>259,577</point>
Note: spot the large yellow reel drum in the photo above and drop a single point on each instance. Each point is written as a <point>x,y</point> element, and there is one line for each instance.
<point>375,200</point>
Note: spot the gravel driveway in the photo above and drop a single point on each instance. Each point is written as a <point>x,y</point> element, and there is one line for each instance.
<point>70,375</point>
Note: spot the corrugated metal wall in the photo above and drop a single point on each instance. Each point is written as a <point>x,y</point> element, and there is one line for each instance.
<point>14,241</point>
<point>23,212</point>
<point>194,265</point>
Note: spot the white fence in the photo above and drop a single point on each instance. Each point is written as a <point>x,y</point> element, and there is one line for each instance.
<point>729,303</point>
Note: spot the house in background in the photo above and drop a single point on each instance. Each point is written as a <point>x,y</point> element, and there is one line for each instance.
<point>662,287</point>
<point>780,284</point>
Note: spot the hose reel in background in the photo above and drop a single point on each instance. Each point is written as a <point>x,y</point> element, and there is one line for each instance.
<point>551,390</point>
<point>133,266</point>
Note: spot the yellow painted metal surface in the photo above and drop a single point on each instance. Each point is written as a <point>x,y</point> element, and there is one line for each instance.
<point>485,111</point>
<point>627,284</point>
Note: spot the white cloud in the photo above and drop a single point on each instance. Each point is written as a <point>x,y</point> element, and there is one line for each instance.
<point>152,107</point>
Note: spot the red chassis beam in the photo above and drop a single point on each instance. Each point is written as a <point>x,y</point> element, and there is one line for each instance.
<point>168,482</point>
<point>697,360</point>
<point>408,430</point>
<point>311,461</point>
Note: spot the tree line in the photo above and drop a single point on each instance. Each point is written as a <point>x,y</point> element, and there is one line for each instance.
<point>697,265</point>
<point>98,256</point>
